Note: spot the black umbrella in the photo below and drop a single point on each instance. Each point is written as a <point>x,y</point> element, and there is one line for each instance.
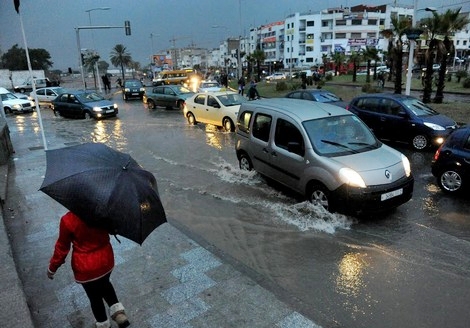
<point>105,188</point>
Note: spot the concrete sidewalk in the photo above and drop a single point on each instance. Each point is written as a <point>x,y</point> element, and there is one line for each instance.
<point>169,281</point>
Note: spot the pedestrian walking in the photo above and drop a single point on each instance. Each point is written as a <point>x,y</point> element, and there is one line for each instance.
<point>106,82</point>
<point>241,85</point>
<point>92,263</point>
<point>253,92</point>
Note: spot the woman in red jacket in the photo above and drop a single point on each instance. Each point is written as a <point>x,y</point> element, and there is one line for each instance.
<point>92,263</point>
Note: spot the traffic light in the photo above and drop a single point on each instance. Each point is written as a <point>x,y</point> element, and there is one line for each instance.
<point>127,26</point>
<point>70,70</point>
<point>83,58</point>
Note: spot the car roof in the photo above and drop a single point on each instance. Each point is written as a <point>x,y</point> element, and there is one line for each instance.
<point>300,109</point>
<point>386,95</point>
<point>217,93</point>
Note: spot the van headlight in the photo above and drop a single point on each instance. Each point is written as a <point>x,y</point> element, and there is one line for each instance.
<point>406,165</point>
<point>97,109</point>
<point>351,177</point>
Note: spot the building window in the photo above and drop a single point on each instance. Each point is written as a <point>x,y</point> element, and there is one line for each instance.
<point>465,42</point>
<point>310,36</point>
<point>340,35</point>
<point>356,22</point>
<point>308,49</point>
<point>325,23</point>
<point>372,22</point>
<point>340,22</point>
<point>371,35</point>
<point>382,22</point>
<point>310,23</point>
<point>356,35</point>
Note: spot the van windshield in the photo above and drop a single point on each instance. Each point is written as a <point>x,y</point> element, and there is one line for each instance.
<point>340,135</point>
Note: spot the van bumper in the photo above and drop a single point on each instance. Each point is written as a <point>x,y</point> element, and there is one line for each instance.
<point>375,198</point>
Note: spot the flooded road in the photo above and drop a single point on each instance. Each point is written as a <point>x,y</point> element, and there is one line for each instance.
<point>408,268</point>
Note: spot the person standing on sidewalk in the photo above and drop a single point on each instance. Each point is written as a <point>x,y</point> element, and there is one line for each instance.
<point>92,264</point>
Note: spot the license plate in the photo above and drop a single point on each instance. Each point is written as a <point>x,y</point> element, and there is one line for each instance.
<point>391,194</point>
<point>110,111</point>
<point>135,93</point>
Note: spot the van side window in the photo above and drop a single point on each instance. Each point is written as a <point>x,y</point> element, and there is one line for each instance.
<point>287,133</point>
<point>244,122</point>
<point>262,126</point>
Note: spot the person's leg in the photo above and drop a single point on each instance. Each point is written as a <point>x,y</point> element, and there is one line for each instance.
<point>116,309</point>
<point>94,293</point>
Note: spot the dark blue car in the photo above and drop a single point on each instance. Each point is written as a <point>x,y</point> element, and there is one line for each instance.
<point>402,118</point>
<point>451,162</point>
<point>83,104</point>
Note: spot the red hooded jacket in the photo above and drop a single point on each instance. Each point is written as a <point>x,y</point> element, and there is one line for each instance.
<point>92,253</point>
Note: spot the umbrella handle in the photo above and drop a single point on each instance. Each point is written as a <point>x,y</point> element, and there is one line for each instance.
<point>115,236</point>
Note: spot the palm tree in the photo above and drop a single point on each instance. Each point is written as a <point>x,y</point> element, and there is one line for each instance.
<point>355,59</point>
<point>259,56</point>
<point>395,36</point>
<point>369,54</point>
<point>89,62</point>
<point>451,21</point>
<point>432,26</point>
<point>338,58</point>
<point>120,57</point>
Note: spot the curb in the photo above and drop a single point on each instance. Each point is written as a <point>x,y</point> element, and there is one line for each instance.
<point>15,311</point>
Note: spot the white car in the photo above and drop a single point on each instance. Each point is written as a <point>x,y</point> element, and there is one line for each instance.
<point>219,108</point>
<point>209,86</point>
<point>13,104</point>
<point>276,76</point>
<point>46,95</point>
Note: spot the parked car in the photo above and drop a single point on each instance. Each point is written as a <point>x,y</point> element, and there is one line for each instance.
<point>13,104</point>
<point>402,118</point>
<point>327,155</point>
<point>317,95</point>
<point>208,86</point>
<point>451,162</point>
<point>83,104</point>
<point>46,95</point>
<point>218,108</point>
<point>132,89</point>
<point>168,96</point>
<point>27,86</point>
<point>276,76</point>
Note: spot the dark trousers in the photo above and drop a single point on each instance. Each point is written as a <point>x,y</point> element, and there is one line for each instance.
<point>97,291</point>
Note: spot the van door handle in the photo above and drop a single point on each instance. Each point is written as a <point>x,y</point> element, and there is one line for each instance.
<point>266,150</point>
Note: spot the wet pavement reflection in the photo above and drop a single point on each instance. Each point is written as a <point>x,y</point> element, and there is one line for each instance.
<point>405,268</point>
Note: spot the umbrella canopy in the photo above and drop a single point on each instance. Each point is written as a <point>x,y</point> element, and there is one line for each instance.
<point>105,188</point>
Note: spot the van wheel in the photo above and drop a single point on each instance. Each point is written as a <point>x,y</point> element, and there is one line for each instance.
<point>191,118</point>
<point>245,163</point>
<point>420,142</point>
<point>320,195</point>
<point>227,124</point>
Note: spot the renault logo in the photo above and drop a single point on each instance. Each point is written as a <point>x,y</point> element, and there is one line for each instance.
<point>388,174</point>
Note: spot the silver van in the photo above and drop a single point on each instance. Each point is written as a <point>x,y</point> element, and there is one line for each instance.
<point>323,152</point>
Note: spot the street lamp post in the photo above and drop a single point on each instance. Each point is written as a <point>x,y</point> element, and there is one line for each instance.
<point>89,20</point>
<point>93,41</point>
<point>412,48</point>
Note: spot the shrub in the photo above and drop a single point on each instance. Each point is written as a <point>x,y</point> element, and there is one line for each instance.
<point>281,86</point>
<point>466,83</point>
<point>295,86</point>
<point>328,77</point>
<point>461,74</point>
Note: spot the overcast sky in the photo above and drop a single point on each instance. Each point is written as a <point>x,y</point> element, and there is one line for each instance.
<point>50,24</point>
